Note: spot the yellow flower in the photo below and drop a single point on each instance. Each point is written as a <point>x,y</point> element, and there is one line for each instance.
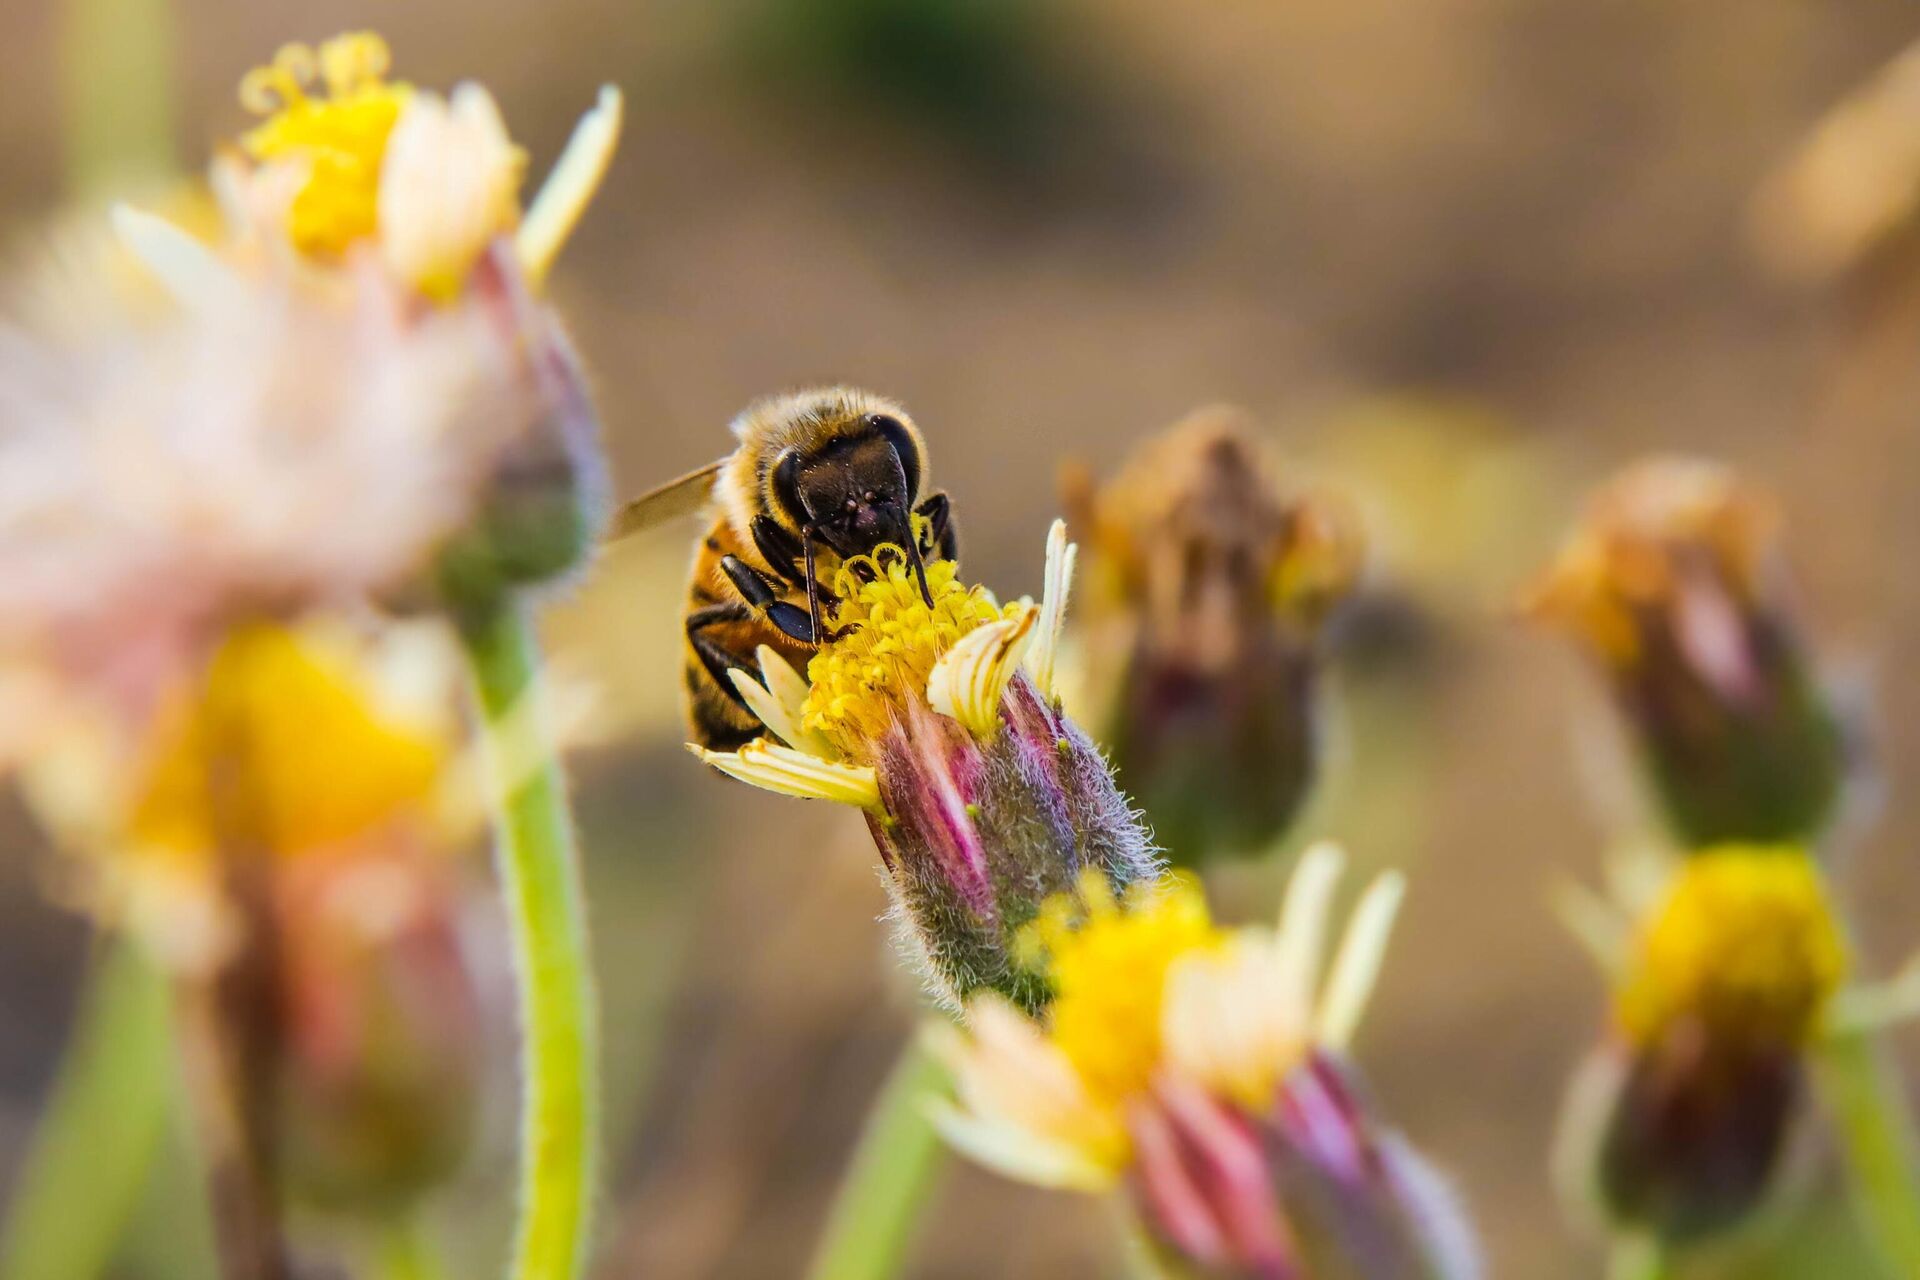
<point>1743,945</point>
<point>345,157</point>
<point>294,746</point>
<point>957,657</point>
<point>287,738</point>
<point>891,643</point>
<point>1149,992</point>
<point>338,134</point>
<point>1109,961</point>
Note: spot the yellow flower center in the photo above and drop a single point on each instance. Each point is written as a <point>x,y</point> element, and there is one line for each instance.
<point>891,640</point>
<point>283,750</point>
<point>339,134</point>
<point>1744,945</point>
<point>1109,961</point>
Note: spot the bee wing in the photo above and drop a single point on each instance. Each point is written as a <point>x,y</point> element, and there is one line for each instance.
<point>671,501</point>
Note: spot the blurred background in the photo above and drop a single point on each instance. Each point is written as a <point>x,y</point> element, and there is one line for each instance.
<point>1460,258</point>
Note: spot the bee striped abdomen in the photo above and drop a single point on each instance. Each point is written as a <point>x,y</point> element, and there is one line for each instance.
<point>723,631</point>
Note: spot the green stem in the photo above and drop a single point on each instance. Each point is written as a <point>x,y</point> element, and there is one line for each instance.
<point>1877,1138</point>
<point>1637,1258</point>
<point>540,879</point>
<point>95,1145</point>
<point>891,1176</point>
<point>405,1250</point>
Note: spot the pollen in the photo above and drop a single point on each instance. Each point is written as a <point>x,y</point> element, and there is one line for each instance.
<point>890,640</point>
<point>332,110</point>
<point>1744,945</point>
<point>284,749</point>
<point>1108,960</point>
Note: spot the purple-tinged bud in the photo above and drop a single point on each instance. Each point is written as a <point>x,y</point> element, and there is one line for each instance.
<point>1675,583</point>
<point>1361,1202</point>
<point>983,798</point>
<point>384,1028</point>
<point>1195,1071</point>
<point>1680,1123</point>
<point>547,503</point>
<point>1208,598</point>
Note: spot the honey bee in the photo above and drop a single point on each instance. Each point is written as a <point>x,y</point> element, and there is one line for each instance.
<point>819,477</point>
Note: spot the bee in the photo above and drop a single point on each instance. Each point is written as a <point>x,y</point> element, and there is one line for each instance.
<point>818,478</point>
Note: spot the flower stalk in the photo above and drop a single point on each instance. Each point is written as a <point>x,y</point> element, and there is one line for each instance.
<point>540,882</point>
<point>96,1144</point>
<point>1876,1132</point>
<point>889,1180</point>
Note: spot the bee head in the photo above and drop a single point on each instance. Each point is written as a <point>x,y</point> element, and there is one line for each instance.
<point>856,491</point>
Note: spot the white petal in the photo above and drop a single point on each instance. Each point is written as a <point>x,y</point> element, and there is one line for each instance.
<point>1055,588</point>
<point>1222,1026</point>
<point>1018,1153</point>
<point>193,273</point>
<point>1303,923</point>
<point>794,773</point>
<point>785,683</point>
<point>447,185</point>
<point>775,713</point>
<point>1357,965</point>
<point>969,680</point>
<point>570,187</point>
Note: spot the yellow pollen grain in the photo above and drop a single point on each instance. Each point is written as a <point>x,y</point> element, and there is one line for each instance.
<point>1744,945</point>
<point>1108,960</point>
<point>332,111</point>
<point>891,641</point>
<point>282,749</point>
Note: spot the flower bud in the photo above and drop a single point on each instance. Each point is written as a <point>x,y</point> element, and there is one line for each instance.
<point>1679,1125</point>
<point>543,510</point>
<point>1675,583</point>
<point>384,1031</point>
<point>983,798</point>
<point>1202,627</point>
<point>1196,1071</point>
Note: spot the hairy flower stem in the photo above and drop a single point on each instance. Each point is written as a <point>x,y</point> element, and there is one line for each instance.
<point>95,1147</point>
<point>1638,1257</point>
<point>545,902</point>
<point>1876,1129</point>
<point>889,1179</point>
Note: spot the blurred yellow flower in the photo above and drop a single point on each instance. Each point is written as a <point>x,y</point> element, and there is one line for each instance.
<point>1150,992</point>
<point>1743,945</point>
<point>338,135</point>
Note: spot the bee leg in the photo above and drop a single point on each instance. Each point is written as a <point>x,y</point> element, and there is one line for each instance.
<point>779,548</point>
<point>759,593</point>
<point>714,656</point>
<point>943,542</point>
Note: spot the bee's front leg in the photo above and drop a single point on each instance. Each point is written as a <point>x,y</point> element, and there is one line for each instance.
<point>754,588</point>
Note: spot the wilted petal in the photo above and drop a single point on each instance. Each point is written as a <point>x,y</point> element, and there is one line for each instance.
<point>969,680</point>
<point>795,773</point>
